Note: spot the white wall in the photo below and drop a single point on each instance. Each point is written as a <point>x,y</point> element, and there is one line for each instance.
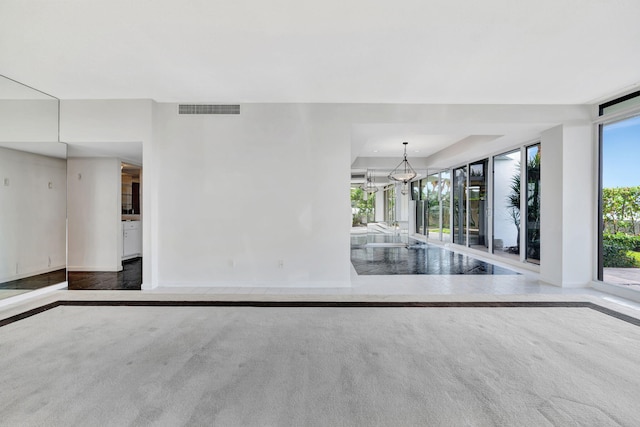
<point>32,215</point>
<point>260,198</point>
<point>29,120</point>
<point>94,215</point>
<point>566,206</point>
<point>226,198</point>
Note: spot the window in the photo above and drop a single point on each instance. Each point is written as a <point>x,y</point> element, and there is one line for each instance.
<point>619,240</point>
<point>432,189</point>
<point>622,103</point>
<point>460,206</point>
<point>478,220</point>
<point>445,200</point>
<point>506,204</point>
<point>533,204</point>
<point>390,205</point>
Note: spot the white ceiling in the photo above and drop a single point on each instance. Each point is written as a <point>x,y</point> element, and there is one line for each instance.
<point>375,51</point>
<point>385,140</point>
<point>356,51</point>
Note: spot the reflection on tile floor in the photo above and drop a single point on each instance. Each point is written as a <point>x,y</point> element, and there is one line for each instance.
<point>419,259</point>
<point>38,281</point>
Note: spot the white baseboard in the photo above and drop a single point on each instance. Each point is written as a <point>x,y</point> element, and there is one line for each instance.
<point>93,269</point>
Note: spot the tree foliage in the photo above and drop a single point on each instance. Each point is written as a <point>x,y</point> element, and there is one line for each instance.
<point>362,210</point>
<point>621,223</point>
<point>621,210</point>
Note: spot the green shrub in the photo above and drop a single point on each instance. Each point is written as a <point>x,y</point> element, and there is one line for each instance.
<point>617,250</point>
<point>628,242</point>
<point>616,256</point>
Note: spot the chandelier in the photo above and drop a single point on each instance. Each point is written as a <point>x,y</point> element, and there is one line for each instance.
<point>403,172</point>
<point>369,186</point>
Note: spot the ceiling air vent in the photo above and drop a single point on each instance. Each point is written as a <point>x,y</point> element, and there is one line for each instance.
<point>208,109</point>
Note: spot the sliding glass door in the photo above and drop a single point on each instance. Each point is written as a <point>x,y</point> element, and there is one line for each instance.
<point>445,200</point>
<point>478,221</point>
<point>432,194</point>
<point>460,206</point>
<point>533,204</point>
<point>506,204</point>
<point>620,203</point>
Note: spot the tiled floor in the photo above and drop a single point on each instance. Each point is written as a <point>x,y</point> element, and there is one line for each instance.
<point>130,278</point>
<point>28,284</point>
<point>375,253</point>
<point>36,282</point>
<point>418,259</point>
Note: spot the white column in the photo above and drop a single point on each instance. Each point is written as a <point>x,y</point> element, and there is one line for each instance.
<point>567,204</point>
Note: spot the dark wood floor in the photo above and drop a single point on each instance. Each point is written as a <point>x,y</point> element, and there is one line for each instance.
<point>37,282</point>
<point>130,278</point>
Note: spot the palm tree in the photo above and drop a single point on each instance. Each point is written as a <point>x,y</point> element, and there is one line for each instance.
<point>533,205</point>
<point>513,204</point>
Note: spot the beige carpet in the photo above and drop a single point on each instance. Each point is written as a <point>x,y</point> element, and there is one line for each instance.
<point>231,366</point>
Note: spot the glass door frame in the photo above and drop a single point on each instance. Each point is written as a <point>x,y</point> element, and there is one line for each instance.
<point>603,119</point>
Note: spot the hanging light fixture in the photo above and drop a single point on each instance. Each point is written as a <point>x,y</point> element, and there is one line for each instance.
<point>405,189</point>
<point>403,172</point>
<point>369,186</point>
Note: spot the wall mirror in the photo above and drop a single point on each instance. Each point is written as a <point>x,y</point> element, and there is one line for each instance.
<point>33,191</point>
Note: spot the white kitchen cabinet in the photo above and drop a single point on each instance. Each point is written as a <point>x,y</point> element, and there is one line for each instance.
<point>131,239</point>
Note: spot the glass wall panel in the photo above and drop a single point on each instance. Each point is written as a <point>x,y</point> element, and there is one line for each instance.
<point>533,204</point>
<point>420,228</point>
<point>620,203</point>
<point>460,206</point>
<point>415,190</point>
<point>390,205</point>
<point>478,222</point>
<point>432,188</point>
<point>506,204</point>
<point>423,189</point>
<point>445,199</point>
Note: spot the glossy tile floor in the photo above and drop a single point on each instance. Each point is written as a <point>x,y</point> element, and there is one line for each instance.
<point>28,284</point>
<point>378,254</point>
<point>130,278</point>
<point>36,282</point>
<point>419,259</point>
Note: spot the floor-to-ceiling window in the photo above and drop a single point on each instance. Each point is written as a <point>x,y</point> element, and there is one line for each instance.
<point>506,204</point>
<point>445,201</point>
<point>532,198</point>
<point>390,205</point>
<point>478,222</point>
<point>362,207</point>
<point>619,260</point>
<point>460,206</point>
<point>432,193</point>
<point>416,196</point>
